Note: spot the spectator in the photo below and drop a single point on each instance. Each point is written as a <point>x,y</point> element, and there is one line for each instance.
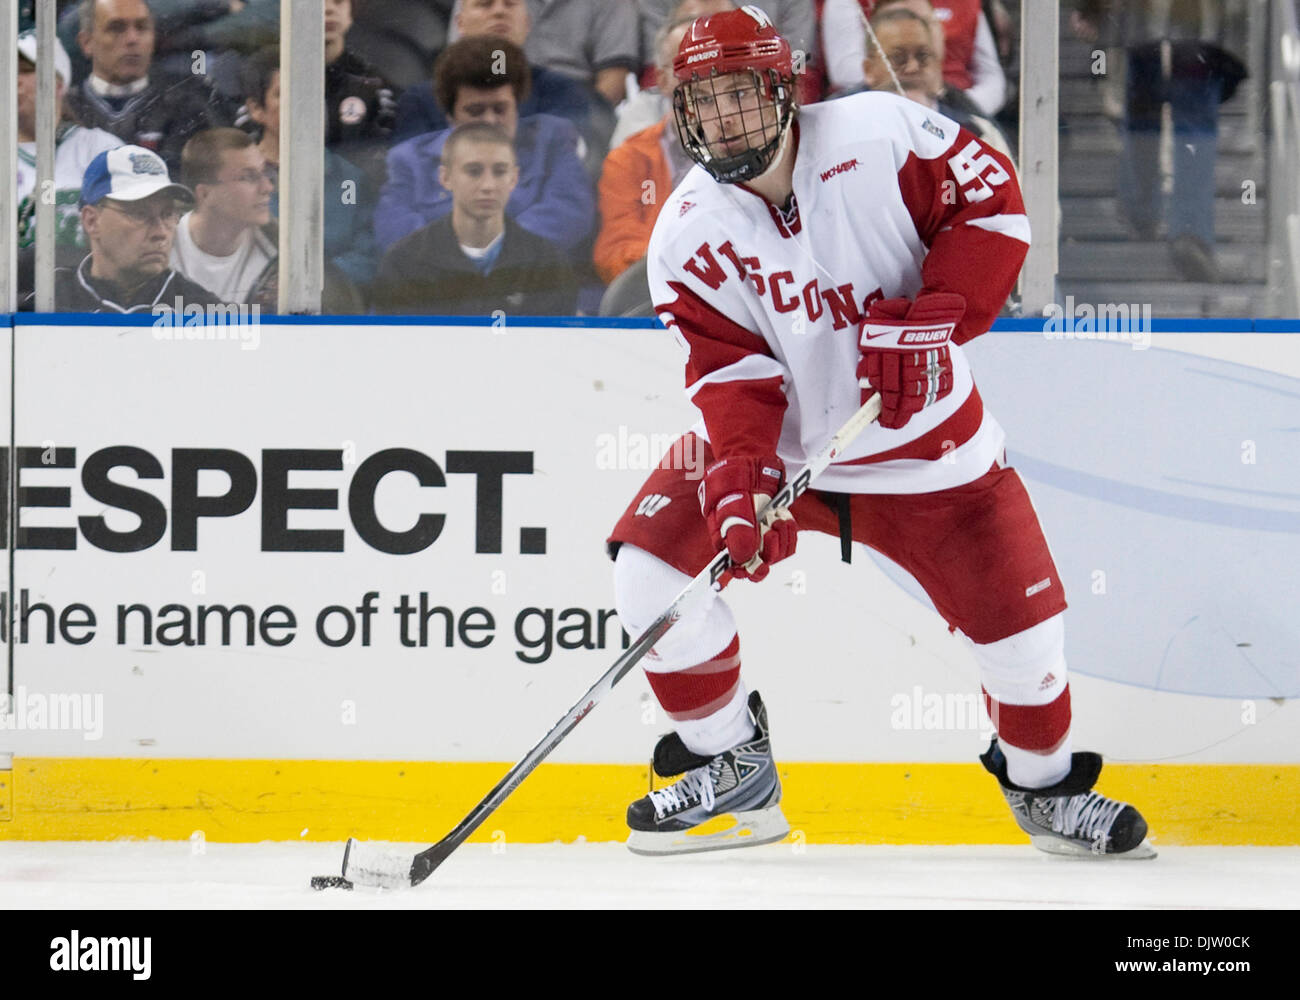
<point>970,54</point>
<point>129,210</point>
<point>553,198</point>
<point>640,173</point>
<point>592,41</point>
<point>222,25</point>
<point>476,261</point>
<point>122,96</point>
<point>223,243</point>
<point>795,20</point>
<point>549,93</point>
<point>1175,57</point>
<point>221,28</point>
<point>360,106</point>
<point>74,148</point>
<point>349,201</point>
<point>653,102</point>
<point>908,45</point>
<point>402,36</point>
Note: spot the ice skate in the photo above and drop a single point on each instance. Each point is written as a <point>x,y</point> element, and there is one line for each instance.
<point>730,800</point>
<point>1069,817</point>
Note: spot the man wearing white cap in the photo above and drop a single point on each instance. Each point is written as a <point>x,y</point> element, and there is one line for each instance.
<point>74,148</point>
<point>129,209</point>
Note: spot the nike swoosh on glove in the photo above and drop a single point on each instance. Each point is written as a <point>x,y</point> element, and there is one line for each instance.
<point>904,353</point>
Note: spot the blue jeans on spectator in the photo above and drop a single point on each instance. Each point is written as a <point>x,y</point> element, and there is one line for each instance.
<point>1194,103</point>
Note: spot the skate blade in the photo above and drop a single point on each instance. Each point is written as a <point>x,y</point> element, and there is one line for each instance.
<point>745,829</point>
<point>1068,849</point>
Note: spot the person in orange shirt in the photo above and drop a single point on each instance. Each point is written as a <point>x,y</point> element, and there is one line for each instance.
<point>640,173</point>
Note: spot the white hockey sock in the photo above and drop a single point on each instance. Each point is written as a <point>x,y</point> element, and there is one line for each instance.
<point>1025,670</point>
<point>724,729</point>
<point>644,586</point>
<point>1034,770</point>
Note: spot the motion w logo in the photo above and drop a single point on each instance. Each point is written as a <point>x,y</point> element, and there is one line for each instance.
<point>652,504</point>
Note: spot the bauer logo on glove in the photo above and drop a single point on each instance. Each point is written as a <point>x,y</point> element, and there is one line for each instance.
<point>904,353</point>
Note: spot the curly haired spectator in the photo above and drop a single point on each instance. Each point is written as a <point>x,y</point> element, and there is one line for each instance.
<point>485,79</point>
<point>549,93</point>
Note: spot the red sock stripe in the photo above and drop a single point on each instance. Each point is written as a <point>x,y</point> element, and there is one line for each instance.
<point>701,690</point>
<point>1037,728</point>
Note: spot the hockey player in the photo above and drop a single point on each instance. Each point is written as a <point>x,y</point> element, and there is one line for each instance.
<point>812,258</point>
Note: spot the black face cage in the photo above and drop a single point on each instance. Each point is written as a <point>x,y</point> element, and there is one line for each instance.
<point>762,142</point>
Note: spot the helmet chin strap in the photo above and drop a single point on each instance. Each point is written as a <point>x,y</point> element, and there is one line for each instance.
<point>786,130</point>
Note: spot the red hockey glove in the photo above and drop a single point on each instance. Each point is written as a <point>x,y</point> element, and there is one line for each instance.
<point>905,358</point>
<point>733,491</point>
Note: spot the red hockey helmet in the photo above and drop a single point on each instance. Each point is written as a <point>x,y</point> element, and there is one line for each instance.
<point>735,95</point>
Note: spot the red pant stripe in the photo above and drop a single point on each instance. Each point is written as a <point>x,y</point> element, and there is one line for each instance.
<point>700,690</point>
<point>1037,728</point>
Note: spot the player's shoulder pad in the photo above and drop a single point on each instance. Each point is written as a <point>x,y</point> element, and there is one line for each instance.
<point>876,114</point>
<point>695,211</point>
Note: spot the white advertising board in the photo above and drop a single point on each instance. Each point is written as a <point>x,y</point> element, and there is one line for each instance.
<point>468,476</point>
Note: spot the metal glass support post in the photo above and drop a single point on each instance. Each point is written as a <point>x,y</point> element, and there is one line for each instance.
<point>1040,84</point>
<point>302,157</point>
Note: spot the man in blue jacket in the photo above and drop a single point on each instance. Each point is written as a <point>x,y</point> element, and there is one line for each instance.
<point>485,79</point>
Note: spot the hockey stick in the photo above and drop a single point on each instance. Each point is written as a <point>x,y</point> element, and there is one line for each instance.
<point>365,865</point>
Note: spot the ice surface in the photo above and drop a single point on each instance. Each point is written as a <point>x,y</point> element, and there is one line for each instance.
<point>162,874</point>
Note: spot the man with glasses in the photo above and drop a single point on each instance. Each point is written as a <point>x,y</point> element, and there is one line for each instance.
<point>129,210</point>
<point>915,53</point>
<point>228,242</point>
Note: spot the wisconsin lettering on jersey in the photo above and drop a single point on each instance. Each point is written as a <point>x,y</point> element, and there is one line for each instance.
<point>780,286</point>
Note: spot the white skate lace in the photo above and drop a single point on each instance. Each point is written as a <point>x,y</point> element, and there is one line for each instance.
<point>1085,815</point>
<point>697,784</point>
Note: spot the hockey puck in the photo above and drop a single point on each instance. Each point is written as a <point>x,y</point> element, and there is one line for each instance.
<point>330,882</point>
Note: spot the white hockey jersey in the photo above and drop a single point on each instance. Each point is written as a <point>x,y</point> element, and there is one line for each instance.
<point>75,148</point>
<point>891,200</point>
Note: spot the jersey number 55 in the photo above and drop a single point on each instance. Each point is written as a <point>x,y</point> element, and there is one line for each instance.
<point>970,168</point>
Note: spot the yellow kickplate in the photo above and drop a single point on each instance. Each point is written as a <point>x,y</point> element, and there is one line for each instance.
<point>243,801</point>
